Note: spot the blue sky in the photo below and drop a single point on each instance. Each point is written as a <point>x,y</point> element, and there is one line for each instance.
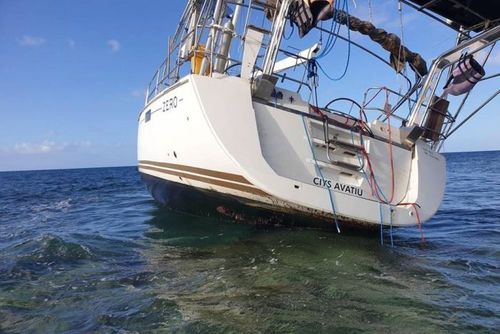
<point>73,73</point>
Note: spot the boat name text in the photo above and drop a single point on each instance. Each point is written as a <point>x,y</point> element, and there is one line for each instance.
<point>338,186</point>
<point>169,104</point>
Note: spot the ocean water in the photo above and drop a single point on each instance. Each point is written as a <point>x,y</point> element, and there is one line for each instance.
<point>89,251</point>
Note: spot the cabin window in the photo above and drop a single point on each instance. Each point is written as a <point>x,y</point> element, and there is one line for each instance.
<point>148,116</point>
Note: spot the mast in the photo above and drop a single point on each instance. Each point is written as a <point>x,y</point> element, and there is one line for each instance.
<point>212,37</point>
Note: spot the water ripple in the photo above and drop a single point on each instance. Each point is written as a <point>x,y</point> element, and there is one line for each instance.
<point>89,251</point>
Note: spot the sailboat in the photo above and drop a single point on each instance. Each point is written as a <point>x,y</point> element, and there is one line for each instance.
<point>234,122</point>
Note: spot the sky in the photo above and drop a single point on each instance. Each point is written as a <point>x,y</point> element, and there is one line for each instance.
<point>73,76</point>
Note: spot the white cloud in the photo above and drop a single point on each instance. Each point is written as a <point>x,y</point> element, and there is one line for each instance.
<point>137,93</point>
<point>46,147</point>
<point>114,45</point>
<point>32,41</point>
<point>71,43</point>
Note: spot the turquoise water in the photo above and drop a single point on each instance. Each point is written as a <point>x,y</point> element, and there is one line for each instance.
<point>89,251</point>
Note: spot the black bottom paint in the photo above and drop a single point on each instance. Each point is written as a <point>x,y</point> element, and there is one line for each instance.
<point>201,202</point>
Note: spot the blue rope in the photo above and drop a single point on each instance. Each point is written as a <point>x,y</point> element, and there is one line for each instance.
<point>329,47</point>
<point>333,36</point>
<point>331,41</point>
<point>349,41</point>
<point>318,170</point>
<point>312,70</point>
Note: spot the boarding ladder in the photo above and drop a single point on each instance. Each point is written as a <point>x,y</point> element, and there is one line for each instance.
<point>336,148</point>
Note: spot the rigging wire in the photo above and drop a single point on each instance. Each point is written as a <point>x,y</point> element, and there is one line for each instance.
<point>370,10</point>
<point>405,67</point>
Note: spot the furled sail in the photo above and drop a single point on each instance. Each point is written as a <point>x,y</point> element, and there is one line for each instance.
<point>389,41</point>
<point>305,14</point>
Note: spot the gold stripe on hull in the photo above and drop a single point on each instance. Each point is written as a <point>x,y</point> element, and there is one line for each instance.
<point>197,170</point>
<point>200,178</point>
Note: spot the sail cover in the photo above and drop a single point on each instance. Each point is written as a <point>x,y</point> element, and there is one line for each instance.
<point>476,15</point>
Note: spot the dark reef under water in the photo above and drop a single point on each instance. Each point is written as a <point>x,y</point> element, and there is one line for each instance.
<point>89,251</point>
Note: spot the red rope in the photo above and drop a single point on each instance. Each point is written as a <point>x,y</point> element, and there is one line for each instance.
<point>387,108</point>
<point>419,223</point>
<point>373,181</point>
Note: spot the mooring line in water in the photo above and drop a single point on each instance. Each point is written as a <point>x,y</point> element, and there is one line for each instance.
<point>377,190</point>
<point>381,224</point>
<point>313,77</point>
<point>417,216</point>
<point>318,170</point>
<point>381,193</point>
<point>390,226</point>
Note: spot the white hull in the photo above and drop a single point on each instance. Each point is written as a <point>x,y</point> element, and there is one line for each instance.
<point>206,132</point>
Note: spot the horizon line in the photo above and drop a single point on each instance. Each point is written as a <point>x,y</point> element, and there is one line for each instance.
<point>125,166</point>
